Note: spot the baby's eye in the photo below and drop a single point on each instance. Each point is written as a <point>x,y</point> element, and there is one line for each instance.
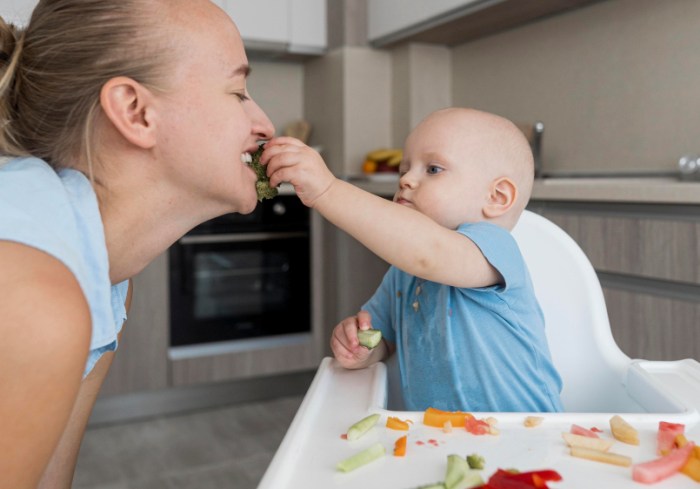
<point>433,169</point>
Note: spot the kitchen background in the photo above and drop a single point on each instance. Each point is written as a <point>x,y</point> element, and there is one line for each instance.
<point>615,83</point>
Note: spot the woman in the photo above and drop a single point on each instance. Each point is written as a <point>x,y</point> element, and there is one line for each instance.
<point>124,125</point>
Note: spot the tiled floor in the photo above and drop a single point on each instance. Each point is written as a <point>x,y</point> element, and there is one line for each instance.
<point>220,448</point>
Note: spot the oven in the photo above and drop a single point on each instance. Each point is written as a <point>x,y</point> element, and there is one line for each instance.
<point>242,277</point>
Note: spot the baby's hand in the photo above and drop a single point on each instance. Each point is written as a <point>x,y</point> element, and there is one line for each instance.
<point>345,344</point>
<point>290,160</point>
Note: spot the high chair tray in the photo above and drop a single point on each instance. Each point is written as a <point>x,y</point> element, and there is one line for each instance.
<point>337,398</point>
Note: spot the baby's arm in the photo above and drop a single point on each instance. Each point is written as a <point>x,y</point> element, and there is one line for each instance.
<point>401,236</point>
<point>346,347</point>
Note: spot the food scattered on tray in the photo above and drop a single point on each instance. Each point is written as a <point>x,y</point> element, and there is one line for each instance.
<point>623,431</point>
<point>361,427</point>
<point>532,421</point>
<point>676,453</point>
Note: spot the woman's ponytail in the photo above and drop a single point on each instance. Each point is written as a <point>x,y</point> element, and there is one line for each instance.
<point>11,41</point>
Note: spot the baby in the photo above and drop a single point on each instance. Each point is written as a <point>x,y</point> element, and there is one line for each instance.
<point>457,305</point>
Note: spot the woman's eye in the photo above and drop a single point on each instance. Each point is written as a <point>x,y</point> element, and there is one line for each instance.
<point>432,169</point>
<point>241,96</point>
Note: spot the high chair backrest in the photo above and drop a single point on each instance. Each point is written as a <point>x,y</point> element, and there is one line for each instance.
<point>576,319</point>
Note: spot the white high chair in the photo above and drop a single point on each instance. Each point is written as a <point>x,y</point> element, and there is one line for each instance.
<point>599,381</point>
<point>576,319</point>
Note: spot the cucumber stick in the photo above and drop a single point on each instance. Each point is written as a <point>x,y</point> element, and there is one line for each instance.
<point>369,338</point>
<point>459,475</point>
<point>364,457</point>
<point>362,426</point>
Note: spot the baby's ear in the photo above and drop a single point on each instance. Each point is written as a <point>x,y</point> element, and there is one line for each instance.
<point>502,196</point>
<point>128,105</point>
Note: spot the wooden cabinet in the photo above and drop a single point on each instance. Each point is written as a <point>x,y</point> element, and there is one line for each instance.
<point>648,260</point>
<point>454,22</point>
<point>141,361</point>
<point>290,26</point>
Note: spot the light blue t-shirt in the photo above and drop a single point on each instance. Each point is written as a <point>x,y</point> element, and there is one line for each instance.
<point>57,212</point>
<point>481,349</point>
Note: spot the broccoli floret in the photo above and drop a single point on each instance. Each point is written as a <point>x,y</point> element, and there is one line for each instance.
<point>476,461</point>
<point>262,186</point>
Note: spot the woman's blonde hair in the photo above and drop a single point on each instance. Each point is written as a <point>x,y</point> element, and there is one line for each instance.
<point>51,73</point>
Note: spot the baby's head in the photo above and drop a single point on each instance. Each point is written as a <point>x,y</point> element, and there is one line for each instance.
<point>463,165</point>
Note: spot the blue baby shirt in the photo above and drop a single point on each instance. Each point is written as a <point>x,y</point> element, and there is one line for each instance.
<point>480,349</point>
<point>57,212</point>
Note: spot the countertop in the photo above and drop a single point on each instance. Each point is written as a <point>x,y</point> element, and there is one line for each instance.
<point>622,189</point>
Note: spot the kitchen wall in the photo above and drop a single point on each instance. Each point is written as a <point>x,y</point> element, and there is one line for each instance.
<point>616,83</point>
<point>278,87</point>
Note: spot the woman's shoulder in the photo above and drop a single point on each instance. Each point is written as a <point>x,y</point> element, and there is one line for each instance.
<point>39,209</point>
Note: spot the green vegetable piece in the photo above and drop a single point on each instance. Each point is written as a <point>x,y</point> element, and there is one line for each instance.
<point>362,426</point>
<point>369,338</point>
<point>437,485</point>
<point>459,475</point>
<point>364,457</point>
<point>476,461</point>
<point>262,186</point>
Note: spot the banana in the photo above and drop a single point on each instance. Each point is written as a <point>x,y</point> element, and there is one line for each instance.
<point>395,160</point>
<point>383,154</point>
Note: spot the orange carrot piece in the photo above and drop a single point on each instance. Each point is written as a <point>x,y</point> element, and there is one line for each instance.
<point>437,418</point>
<point>394,423</point>
<point>400,446</point>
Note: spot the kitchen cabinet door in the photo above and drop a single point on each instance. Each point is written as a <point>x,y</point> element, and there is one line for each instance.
<point>647,257</point>
<point>389,17</point>
<point>293,26</point>
<point>308,31</point>
<point>141,361</point>
<point>453,22</point>
<point>261,21</point>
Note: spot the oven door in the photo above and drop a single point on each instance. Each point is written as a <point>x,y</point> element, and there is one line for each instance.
<point>235,286</point>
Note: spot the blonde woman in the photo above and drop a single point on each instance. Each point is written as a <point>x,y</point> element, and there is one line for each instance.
<point>124,124</point>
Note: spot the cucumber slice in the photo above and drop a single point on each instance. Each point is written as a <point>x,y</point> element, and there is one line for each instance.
<point>459,475</point>
<point>362,426</point>
<point>362,458</point>
<point>369,338</point>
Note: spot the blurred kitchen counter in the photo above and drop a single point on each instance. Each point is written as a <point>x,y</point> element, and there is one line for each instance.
<point>629,190</point>
<point>623,189</point>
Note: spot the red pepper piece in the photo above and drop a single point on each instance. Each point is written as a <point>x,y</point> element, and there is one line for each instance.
<point>477,426</point>
<point>537,479</point>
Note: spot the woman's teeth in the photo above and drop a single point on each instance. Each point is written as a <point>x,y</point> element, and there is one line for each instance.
<point>246,158</point>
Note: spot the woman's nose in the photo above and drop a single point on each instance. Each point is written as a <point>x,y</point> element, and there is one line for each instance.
<point>262,126</point>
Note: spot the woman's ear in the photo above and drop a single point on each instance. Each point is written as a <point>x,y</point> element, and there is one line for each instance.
<point>502,196</point>
<point>128,105</point>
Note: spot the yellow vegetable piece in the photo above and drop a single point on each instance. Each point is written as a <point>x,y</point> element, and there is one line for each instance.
<point>623,431</point>
<point>532,421</point>
<point>692,467</point>
<point>681,440</point>
<point>587,442</point>
<point>394,423</point>
<point>437,418</point>
<point>599,456</point>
